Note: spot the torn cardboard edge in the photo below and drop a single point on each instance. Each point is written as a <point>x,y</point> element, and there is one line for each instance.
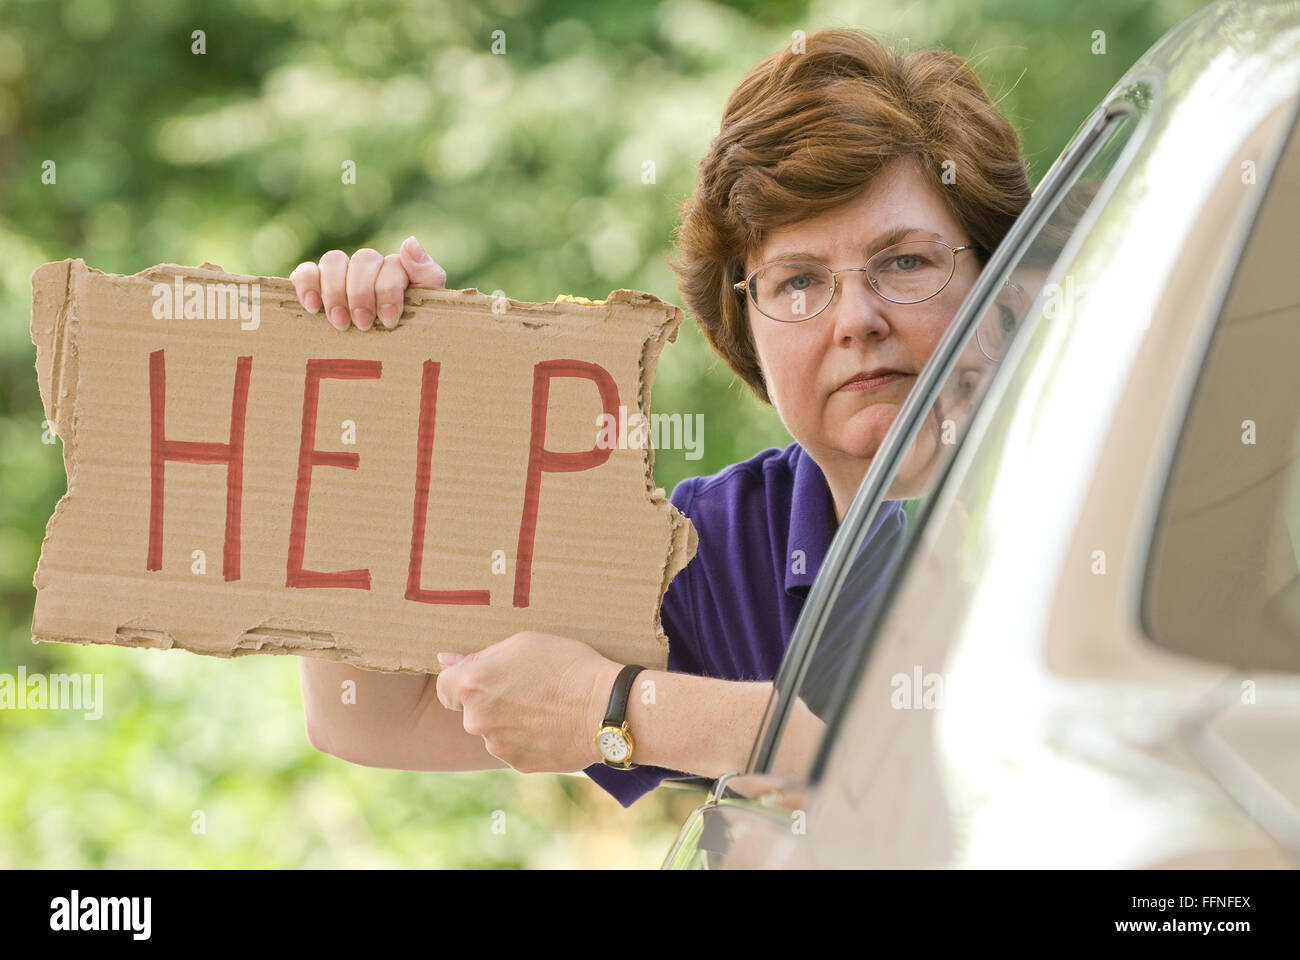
<point>56,317</point>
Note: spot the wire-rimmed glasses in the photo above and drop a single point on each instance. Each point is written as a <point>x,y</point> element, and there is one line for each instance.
<point>790,291</point>
<point>1001,320</point>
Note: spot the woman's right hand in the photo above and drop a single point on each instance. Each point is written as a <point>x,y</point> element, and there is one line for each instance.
<point>367,285</point>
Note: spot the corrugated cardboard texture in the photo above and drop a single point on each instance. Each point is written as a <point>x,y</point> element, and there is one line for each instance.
<point>138,393</point>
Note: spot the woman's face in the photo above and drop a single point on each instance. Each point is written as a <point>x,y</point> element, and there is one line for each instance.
<point>806,364</point>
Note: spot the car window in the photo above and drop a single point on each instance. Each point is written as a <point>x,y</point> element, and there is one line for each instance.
<point>1223,573</point>
<point>817,677</point>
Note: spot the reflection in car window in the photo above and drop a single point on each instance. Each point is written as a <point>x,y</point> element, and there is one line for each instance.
<point>828,674</point>
<point>1224,571</point>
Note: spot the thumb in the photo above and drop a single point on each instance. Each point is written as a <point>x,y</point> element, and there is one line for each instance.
<point>449,659</point>
<point>421,269</point>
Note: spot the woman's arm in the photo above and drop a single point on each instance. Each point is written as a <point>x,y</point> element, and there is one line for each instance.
<point>707,727</point>
<point>394,720</point>
<point>537,700</point>
<point>699,725</point>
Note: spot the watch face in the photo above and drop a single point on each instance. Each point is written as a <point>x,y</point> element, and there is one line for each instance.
<point>612,745</point>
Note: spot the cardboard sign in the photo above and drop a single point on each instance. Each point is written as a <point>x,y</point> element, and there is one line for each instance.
<point>244,478</point>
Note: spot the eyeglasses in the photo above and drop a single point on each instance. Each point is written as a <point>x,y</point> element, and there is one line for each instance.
<point>793,290</point>
<point>1001,320</point>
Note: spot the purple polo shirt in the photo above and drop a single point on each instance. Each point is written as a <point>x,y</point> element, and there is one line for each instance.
<point>730,613</point>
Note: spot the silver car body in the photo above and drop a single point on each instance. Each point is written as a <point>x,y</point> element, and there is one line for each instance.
<point>1067,737</point>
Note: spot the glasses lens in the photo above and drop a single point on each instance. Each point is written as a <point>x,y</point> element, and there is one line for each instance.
<point>1001,320</point>
<point>911,271</point>
<point>791,289</point>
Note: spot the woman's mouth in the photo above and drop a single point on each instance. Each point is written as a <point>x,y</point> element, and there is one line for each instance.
<point>871,380</point>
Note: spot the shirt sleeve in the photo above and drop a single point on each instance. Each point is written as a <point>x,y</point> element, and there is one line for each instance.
<point>675,613</point>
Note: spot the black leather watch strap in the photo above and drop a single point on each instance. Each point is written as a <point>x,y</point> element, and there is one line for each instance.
<point>616,713</point>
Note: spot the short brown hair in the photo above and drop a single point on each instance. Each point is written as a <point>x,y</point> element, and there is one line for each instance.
<point>806,131</point>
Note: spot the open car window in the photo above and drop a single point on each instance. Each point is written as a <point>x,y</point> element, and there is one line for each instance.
<point>1016,287</point>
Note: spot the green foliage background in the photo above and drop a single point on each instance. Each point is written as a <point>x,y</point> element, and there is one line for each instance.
<point>519,172</point>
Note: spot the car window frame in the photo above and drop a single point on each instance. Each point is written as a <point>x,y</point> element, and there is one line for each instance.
<point>868,502</point>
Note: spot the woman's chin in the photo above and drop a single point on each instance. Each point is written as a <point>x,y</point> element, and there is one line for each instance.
<point>862,435</point>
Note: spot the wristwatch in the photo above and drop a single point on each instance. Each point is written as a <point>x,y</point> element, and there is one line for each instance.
<point>613,739</point>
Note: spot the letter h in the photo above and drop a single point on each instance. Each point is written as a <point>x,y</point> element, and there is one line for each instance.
<point>189,451</point>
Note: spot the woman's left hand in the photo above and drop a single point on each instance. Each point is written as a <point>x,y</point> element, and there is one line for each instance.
<point>536,699</point>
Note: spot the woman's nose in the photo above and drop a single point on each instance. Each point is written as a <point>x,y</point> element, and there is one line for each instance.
<point>858,308</point>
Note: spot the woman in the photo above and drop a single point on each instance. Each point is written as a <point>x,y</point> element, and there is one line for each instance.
<point>834,152</point>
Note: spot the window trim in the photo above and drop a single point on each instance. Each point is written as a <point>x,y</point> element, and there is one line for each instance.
<point>1089,138</point>
<point>1115,115</point>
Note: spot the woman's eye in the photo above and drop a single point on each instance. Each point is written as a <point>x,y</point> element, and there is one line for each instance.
<point>801,282</point>
<point>907,261</point>
<point>1008,318</point>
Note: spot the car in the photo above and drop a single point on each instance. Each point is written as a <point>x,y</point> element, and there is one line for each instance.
<point>1086,652</point>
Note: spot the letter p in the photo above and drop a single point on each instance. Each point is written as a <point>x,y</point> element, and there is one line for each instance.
<point>541,460</point>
